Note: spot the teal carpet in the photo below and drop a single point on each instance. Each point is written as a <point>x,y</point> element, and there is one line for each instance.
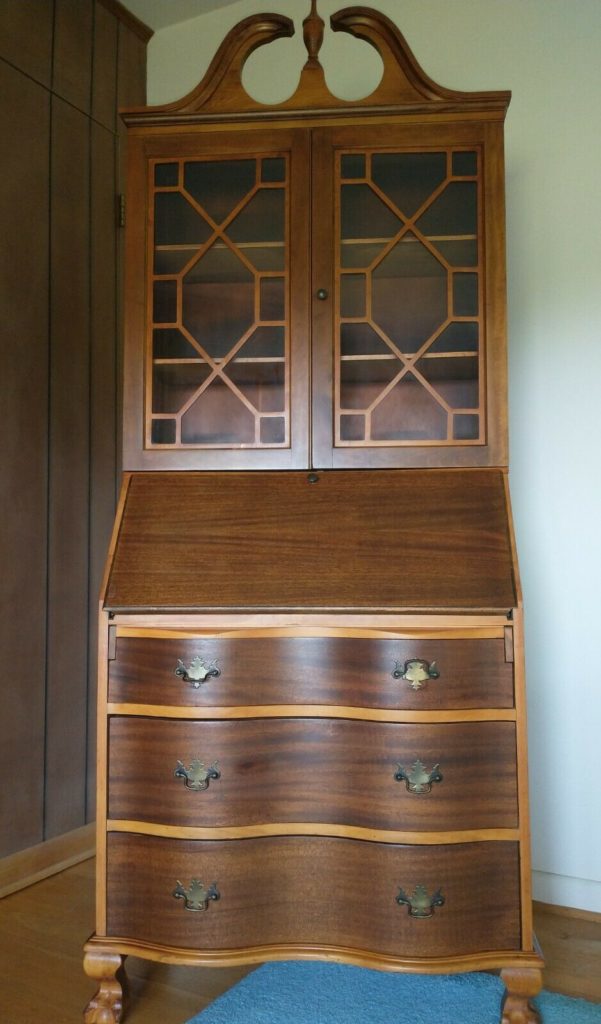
<point>327,993</point>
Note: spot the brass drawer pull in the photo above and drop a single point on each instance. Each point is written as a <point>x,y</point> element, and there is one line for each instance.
<point>416,671</point>
<point>197,776</point>
<point>196,897</point>
<point>420,904</point>
<point>197,672</point>
<point>418,779</point>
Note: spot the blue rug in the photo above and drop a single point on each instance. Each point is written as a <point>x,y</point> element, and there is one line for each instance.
<point>327,993</point>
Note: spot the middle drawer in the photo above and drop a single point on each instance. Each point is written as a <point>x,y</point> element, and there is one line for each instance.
<point>378,775</point>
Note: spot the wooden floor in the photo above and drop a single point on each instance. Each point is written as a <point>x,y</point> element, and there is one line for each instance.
<point>43,928</point>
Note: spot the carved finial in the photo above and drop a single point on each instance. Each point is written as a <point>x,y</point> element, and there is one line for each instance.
<point>313,27</point>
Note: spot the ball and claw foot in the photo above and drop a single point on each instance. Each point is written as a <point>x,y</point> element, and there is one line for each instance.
<point>106,1007</point>
<point>522,985</point>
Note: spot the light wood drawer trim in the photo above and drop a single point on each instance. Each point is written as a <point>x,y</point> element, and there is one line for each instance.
<point>359,632</point>
<point>308,828</point>
<point>313,710</point>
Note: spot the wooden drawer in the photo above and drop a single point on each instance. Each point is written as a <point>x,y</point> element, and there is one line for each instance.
<point>335,771</point>
<point>311,892</point>
<point>473,673</point>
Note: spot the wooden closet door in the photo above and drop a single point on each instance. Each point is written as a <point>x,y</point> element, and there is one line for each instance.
<point>408,330</point>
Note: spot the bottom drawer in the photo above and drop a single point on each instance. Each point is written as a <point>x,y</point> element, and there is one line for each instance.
<point>311,891</point>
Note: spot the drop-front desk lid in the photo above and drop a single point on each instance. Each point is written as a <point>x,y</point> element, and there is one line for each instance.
<point>363,540</point>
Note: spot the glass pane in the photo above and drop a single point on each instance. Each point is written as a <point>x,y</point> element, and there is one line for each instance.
<point>352,295</point>
<point>455,379</point>
<point>219,185</point>
<point>273,430</point>
<point>273,298</point>
<point>218,300</point>
<point>459,252</point>
<point>409,413</point>
<point>176,222</point>
<point>364,215</point>
<point>273,169</point>
<point>170,343</point>
<point>163,432</point>
<point>465,428</point>
<point>465,294</point>
<point>261,383</point>
<point>409,178</point>
<point>174,384</point>
<point>361,339</point>
<point>461,337</point>
<point>352,428</point>
<point>164,302</point>
<point>264,343</point>
<point>454,212</point>
<point>218,417</point>
<point>352,165</point>
<point>465,163</point>
<point>363,381</point>
<point>171,261</point>
<point>409,294</point>
<point>259,229</point>
<point>166,174</point>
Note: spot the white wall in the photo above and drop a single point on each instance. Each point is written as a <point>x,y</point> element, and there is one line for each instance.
<point>547,53</point>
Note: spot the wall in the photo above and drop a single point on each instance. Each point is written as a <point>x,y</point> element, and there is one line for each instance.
<point>64,66</point>
<point>547,53</point>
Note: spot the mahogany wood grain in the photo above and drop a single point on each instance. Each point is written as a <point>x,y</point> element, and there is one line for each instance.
<point>316,770</point>
<point>312,670</point>
<point>306,891</point>
<point>24,214</point>
<point>382,541</point>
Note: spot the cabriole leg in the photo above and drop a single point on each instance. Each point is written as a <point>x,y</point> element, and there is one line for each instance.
<point>522,984</point>
<point>107,969</point>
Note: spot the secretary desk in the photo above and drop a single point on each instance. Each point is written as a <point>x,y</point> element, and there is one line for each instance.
<point>312,736</point>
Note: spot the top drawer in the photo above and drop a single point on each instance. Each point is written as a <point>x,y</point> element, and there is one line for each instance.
<point>409,674</point>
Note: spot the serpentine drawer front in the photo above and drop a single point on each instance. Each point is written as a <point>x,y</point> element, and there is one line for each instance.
<point>303,890</point>
<point>418,674</point>
<point>374,775</point>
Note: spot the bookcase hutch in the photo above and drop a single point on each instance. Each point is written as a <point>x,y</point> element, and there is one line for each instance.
<point>312,737</point>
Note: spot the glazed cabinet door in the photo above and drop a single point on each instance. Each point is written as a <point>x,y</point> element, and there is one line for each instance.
<point>408,296</point>
<point>216,350</point>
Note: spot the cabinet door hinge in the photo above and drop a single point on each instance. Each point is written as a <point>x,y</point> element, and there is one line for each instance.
<point>121,210</point>
<point>112,646</point>
<point>508,643</point>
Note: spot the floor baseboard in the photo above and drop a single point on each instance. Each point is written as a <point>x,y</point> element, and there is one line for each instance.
<point>26,867</point>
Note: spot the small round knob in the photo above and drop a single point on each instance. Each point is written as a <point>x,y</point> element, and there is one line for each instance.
<point>322,294</point>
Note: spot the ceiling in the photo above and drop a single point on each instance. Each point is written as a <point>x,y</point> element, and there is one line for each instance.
<point>161,13</point>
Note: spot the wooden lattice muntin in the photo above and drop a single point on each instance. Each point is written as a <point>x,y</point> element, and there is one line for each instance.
<point>217,367</point>
<point>409,294</point>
